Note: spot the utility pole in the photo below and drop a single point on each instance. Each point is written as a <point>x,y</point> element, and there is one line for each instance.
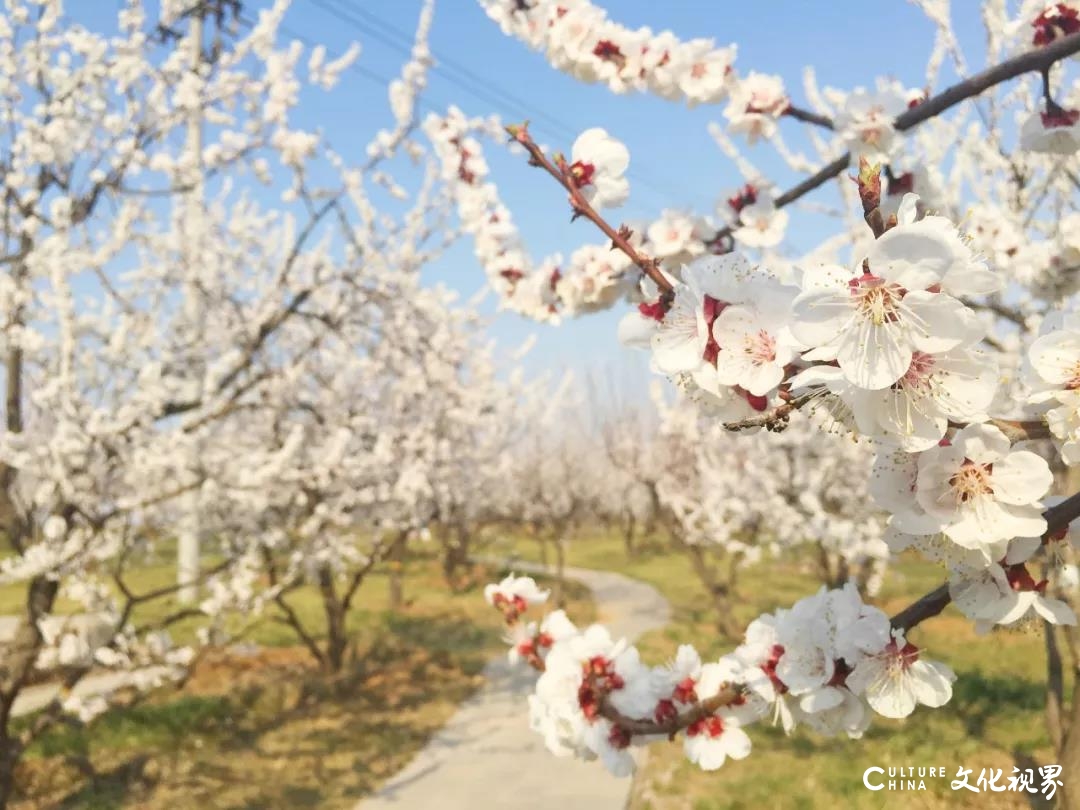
<point>189,539</point>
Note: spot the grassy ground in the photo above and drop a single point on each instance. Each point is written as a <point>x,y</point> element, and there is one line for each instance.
<point>994,720</point>
<point>265,730</point>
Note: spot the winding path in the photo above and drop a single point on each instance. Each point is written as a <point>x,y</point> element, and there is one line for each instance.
<point>486,758</point>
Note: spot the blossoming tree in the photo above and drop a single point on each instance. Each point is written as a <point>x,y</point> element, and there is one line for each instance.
<point>204,307</point>
<point>936,322</point>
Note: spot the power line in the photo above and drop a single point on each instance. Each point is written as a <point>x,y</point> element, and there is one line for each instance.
<point>468,80</point>
<point>401,41</point>
<point>384,81</point>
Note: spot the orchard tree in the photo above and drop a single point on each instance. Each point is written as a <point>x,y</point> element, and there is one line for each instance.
<point>206,306</point>
<point>390,424</point>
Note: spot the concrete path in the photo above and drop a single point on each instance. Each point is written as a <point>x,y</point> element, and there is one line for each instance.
<point>486,758</point>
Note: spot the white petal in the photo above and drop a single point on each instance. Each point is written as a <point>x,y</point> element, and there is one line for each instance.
<point>1054,611</point>
<point>1021,478</point>
<point>820,316</point>
<point>892,698</point>
<point>636,330</point>
<point>932,682</point>
<point>875,355</point>
<point>983,444</point>
<point>1055,356</point>
<point>736,742</point>
<point>939,322</point>
<point>821,700</point>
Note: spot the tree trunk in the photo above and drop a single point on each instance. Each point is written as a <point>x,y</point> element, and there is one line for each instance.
<point>21,656</point>
<point>833,569</point>
<point>718,592</point>
<point>560,571</point>
<point>337,639</point>
<point>456,556</point>
<point>843,572</point>
<point>449,558</point>
<point>628,535</point>
<point>1055,721</point>
<point>10,752</point>
<point>15,669</point>
<point>1069,756</point>
<point>397,576</point>
<point>869,577</point>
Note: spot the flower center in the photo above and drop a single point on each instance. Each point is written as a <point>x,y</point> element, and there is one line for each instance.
<point>608,51</point>
<point>599,678</point>
<point>900,658</point>
<point>769,668</point>
<point>711,725</point>
<point>747,195</point>
<point>1059,118</point>
<point>877,300</point>
<point>1020,579</point>
<point>582,173</point>
<point>903,184</point>
<point>917,377</point>
<point>684,691</point>
<point>1074,377</point>
<point>1057,20</point>
<point>971,481</point>
<point>872,135</point>
<point>619,738</point>
<point>654,310</point>
<point>761,348</point>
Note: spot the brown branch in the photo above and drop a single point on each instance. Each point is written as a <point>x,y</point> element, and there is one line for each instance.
<point>922,609</point>
<point>1019,431</point>
<point>776,418</point>
<point>699,711</point>
<point>1035,60</point>
<point>1057,518</point>
<point>728,695</point>
<point>376,557</point>
<point>809,117</point>
<point>647,265</point>
<point>290,618</point>
<point>999,309</point>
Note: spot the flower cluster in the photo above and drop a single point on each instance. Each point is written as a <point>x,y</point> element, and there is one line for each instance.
<point>829,662</point>
<point>892,351</point>
<point>578,38</point>
<point>594,278</point>
<point>1052,373</point>
<point>921,344</point>
<point>866,122</point>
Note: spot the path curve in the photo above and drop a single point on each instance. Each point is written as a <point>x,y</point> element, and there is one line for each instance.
<point>486,758</point>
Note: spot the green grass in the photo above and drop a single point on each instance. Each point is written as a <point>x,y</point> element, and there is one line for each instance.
<point>995,718</point>
<point>269,731</point>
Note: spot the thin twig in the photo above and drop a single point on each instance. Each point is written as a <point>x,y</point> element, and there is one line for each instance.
<point>582,207</point>
<point>1035,60</point>
<point>1057,518</point>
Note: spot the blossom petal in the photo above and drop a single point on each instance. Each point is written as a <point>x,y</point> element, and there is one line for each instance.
<point>1021,478</point>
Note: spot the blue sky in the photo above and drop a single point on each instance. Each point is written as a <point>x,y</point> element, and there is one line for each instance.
<point>674,161</point>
